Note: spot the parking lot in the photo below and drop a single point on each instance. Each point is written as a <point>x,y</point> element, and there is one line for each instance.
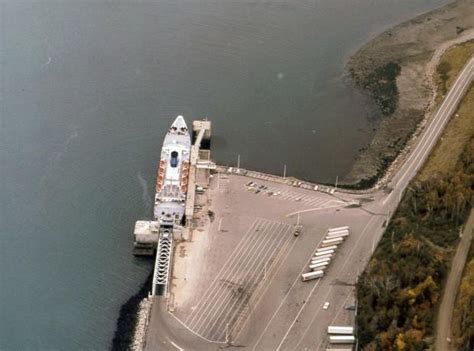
<point>225,301</point>
<point>239,280</point>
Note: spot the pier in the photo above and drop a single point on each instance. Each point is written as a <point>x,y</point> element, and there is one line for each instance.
<point>158,236</point>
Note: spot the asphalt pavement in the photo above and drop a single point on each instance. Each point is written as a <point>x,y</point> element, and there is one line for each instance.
<point>274,309</point>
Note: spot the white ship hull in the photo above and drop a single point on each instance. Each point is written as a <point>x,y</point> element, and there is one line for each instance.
<point>173,171</point>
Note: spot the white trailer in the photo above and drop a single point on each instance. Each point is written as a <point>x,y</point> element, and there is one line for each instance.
<point>319,260</point>
<point>323,253</point>
<point>337,235</point>
<point>312,275</point>
<point>338,228</point>
<point>334,247</point>
<point>333,329</point>
<point>338,231</point>
<point>316,266</point>
<point>330,242</point>
<point>341,339</point>
<point>325,242</point>
<point>314,258</point>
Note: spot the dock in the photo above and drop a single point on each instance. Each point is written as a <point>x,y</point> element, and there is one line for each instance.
<point>153,237</point>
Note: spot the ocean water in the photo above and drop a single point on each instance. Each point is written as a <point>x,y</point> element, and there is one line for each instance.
<point>88,89</point>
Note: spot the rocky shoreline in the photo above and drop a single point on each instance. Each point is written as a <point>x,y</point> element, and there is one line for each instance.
<point>132,320</point>
<point>396,68</point>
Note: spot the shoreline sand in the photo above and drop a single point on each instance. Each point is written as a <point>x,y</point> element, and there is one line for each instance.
<point>416,47</point>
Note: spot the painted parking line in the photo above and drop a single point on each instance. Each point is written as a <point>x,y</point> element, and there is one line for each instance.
<point>216,286</point>
<point>224,291</point>
<point>237,251</point>
<point>312,200</point>
<point>243,279</point>
<point>232,311</point>
<point>232,288</point>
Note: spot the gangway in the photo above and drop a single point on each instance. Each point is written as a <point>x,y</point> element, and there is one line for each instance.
<point>163,257</point>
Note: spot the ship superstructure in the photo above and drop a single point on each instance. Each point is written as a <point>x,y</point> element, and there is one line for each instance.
<point>173,172</point>
<point>176,182</point>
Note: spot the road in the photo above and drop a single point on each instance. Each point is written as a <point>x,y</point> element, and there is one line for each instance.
<point>288,313</point>
<point>433,130</point>
<point>445,313</point>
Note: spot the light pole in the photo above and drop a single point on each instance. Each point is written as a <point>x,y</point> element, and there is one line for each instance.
<point>238,161</point>
<point>284,171</point>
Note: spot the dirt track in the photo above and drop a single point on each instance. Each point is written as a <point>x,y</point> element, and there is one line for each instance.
<point>443,330</point>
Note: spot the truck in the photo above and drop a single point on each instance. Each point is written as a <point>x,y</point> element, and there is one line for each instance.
<point>338,228</point>
<point>341,339</point>
<point>333,329</point>
<point>312,275</point>
<point>334,247</point>
<point>316,266</point>
<point>323,253</point>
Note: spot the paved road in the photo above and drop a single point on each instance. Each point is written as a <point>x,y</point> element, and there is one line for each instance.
<point>434,129</point>
<point>291,317</point>
<point>445,313</point>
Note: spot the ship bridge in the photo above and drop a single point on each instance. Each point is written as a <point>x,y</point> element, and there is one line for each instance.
<point>173,172</point>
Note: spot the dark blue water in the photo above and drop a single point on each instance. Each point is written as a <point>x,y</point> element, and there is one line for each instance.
<point>88,89</point>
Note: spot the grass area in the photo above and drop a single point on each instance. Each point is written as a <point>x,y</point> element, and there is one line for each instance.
<point>450,64</point>
<point>461,125</point>
<point>463,316</point>
<point>448,149</point>
<point>399,291</point>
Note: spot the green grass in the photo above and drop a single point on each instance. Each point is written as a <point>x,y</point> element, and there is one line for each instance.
<point>450,64</point>
<point>449,148</point>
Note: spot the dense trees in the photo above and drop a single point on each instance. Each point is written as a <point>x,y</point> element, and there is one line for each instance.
<point>401,286</point>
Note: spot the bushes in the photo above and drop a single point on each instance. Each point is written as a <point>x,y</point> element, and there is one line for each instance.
<point>443,70</point>
<point>401,286</point>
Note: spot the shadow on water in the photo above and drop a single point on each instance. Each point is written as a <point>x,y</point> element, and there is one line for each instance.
<point>128,316</point>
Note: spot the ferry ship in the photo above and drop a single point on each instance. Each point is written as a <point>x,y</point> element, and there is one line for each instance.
<point>173,172</point>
